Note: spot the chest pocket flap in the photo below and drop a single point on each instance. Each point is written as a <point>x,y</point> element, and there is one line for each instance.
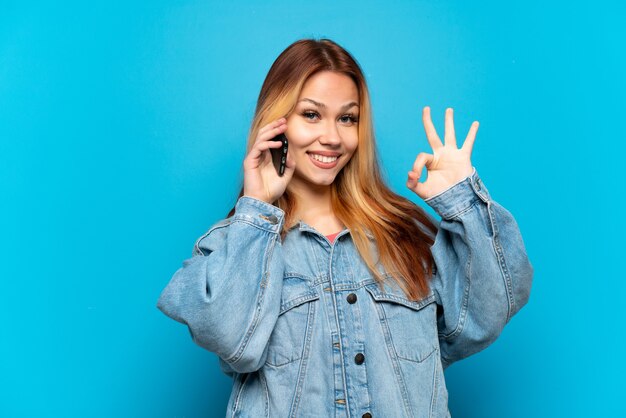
<point>296,291</point>
<point>411,326</point>
<point>295,322</point>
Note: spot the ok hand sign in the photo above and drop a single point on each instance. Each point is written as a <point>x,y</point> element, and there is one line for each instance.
<point>447,165</point>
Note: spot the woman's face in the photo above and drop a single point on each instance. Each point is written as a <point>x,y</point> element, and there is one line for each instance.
<point>323,129</point>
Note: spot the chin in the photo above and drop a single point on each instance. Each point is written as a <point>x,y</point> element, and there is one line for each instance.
<point>325,181</point>
<point>321,180</point>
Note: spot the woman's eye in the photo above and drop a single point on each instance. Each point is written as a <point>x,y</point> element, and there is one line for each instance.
<point>349,119</point>
<point>308,114</point>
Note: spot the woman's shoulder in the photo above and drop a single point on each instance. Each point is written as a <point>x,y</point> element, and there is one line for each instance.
<point>217,231</point>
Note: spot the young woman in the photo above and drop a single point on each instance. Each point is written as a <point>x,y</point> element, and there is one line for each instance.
<point>323,292</point>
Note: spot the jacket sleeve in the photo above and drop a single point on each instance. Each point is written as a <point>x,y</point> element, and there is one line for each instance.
<point>482,273</point>
<point>228,293</point>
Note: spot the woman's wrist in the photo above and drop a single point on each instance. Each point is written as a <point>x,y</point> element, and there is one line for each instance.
<point>256,197</point>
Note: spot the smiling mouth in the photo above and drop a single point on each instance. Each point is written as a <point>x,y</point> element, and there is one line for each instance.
<point>322,161</point>
<point>323,158</point>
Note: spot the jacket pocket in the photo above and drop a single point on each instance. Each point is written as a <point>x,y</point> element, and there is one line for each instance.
<point>294,324</point>
<point>410,327</point>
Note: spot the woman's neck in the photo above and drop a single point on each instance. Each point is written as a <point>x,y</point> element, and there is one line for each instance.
<point>314,207</point>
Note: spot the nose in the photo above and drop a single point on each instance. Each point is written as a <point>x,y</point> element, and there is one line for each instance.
<point>330,136</point>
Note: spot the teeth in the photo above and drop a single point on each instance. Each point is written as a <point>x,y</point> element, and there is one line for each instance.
<point>323,158</point>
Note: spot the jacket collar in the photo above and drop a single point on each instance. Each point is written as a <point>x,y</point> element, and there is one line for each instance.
<point>303,226</point>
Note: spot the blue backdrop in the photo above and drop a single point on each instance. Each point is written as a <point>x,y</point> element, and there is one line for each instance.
<point>122,134</point>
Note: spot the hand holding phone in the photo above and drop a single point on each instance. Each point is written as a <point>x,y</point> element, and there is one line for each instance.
<point>279,155</point>
<point>261,180</point>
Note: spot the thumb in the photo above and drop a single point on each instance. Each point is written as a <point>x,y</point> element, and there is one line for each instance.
<point>291,163</point>
<point>412,179</point>
<point>290,166</point>
<point>423,159</point>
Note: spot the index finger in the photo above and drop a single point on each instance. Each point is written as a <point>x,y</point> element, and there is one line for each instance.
<point>270,126</point>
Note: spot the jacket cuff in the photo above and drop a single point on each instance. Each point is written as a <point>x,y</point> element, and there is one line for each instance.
<point>259,213</point>
<point>460,196</point>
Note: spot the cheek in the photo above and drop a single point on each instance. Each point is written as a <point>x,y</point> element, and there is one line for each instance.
<point>299,137</point>
<point>352,142</point>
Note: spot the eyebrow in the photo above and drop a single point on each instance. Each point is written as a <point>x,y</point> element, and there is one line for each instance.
<point>323,106</point>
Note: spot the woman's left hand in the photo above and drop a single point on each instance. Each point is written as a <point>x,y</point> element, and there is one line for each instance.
<point>447,165</point>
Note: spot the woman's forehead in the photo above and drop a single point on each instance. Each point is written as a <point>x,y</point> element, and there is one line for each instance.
<point>329,89</point>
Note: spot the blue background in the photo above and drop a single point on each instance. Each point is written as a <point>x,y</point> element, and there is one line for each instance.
<point>122,134</point>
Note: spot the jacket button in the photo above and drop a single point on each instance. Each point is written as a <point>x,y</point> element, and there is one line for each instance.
<point>359,358</point>
<point>366,415</point>
<point>351,298</point>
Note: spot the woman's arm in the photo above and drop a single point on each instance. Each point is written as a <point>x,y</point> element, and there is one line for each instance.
<point>228,293</point>
<point>483,274</point>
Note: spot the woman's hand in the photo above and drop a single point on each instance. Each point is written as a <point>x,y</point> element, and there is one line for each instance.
<point>261,180</point>
<point>447,165</point>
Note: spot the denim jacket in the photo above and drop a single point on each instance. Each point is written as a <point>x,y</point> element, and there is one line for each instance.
<point>304,330</point>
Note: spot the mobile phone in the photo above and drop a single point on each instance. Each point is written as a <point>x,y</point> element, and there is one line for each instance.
<point>279,155</point>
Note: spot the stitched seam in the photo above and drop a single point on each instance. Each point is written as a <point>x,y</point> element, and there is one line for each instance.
<point>460,212</point>
<point>257,313</point>
<point>416,306</point>
<point>266,391</point>
<point>335,316</point>
<point>393,357</point>
<point>389,297</point>
<point>304,360</point>
<point>298,301</point>
<point>505,272</point>
<point>417,361</point>
<point>433,400</point>
<point>254,224</point>
<point>196,247</point>
<point>239,391</point>
<point>465,302</point>
<point>284,363</point>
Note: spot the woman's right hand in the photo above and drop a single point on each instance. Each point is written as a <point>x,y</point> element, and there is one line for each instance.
<point>261,180</point>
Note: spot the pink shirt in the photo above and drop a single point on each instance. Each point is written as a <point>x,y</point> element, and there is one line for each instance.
<point>331,237</point>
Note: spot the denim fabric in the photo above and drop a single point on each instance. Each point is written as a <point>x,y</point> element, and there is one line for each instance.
<point>304,330</point>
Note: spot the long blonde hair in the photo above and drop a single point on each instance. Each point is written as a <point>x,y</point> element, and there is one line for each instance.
<point>361,200</point>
